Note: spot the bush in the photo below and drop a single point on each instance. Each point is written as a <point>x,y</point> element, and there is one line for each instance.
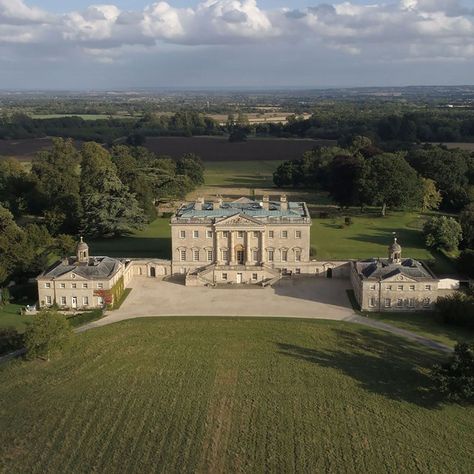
<point>10,340</point>
<point>49,332</point>
<point>348,221</point>
<point>466,262</point>
<point>442,233</point>
<point>456,309</point>
<point>455,379</point>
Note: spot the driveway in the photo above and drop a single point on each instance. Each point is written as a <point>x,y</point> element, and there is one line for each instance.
<point>299,298</point>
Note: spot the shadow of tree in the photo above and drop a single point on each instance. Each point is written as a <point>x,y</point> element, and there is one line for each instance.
<point>381,363</point>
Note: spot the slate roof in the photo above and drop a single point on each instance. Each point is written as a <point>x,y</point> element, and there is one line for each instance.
<point>97,268</point>
<point>382,269</point>
<point>244,206</point>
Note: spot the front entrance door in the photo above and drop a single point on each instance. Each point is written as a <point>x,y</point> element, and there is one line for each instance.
<point>152,272</point>
<point>240,257</point>
<point>239,277</point>
<point>74,302</point>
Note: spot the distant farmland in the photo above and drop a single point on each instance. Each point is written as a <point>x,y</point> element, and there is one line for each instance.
<point>208,148</point>
<point>220,149</point>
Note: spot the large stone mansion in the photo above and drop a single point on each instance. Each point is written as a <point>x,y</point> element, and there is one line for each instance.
<point>247,242</point>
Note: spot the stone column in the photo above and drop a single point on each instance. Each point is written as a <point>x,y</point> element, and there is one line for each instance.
<point>231,248</point>
<point>248,256</point>
<point>262,247</point>
<point>217,250</point>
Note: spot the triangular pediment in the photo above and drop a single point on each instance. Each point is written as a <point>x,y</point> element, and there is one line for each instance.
<point>239,220</point>
<point>71,275</point>
<point>398,277</point>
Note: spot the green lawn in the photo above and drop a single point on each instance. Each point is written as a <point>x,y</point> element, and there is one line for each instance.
<point>370,235</point>
<point>152,242</point>
<point>427,325</point>
<point>10,314</point>
<point>240,174</point>
<point>231,395</point>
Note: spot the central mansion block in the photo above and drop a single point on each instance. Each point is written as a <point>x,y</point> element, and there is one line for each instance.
<point>243,241</point>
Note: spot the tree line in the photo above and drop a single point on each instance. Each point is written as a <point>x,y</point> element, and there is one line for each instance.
<point>92,191</point>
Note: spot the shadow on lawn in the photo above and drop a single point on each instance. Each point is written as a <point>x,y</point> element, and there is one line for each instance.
<point>407,237</point>
<point>382,364</point>
<point>133,247</point>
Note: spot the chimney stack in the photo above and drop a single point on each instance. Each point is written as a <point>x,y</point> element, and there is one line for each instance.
<point>199,203</point>
<point>266,202</point>
<point>283,202</point>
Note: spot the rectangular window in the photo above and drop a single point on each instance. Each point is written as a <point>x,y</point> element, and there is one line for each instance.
<point>182,234</point>
<point>389,287</point>
<point>284,234</point>
<point>411,302</point>
<point>254,276</point>
<point>254,255</point>
<point>195,234</point>
<point>196,255</point>
<point>209,255</point>
<point>224,276</point>
<point>412,287</point>
<point>372,302</point>
<point>255,235</point>
<point>84,285</point>
<point>284,255</point>
<point>183,255</point>
<point>225,234</point>
<point>225,255</point>
<point>399,302</point>
<point>298,256</point>
<point>428,287</point>
<point>100,285</point>
<point>271,234</point>
<point>372,287</point>
<point>209,234</point>
<point>240,234</point>
<point>400,287</point>
<point>298,234</point>
<point>73,285</point>
<point>426,302</point>
<point>271,255</point>
<point>85,301</point>
<point>63,301</point>
<point>388,302</point>
<point>48,300</point>
<point>62,285</point>
<point>47,285</point>
<point>298,271</point>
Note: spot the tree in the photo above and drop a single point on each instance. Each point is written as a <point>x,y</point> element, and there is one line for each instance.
<point>191,165</point>
<point>442,233</point>
<point>112,210</point>
<point>466,219</point>
<point>12,245</point>
<point>49,332</point>
<point>344,175</point>
<point>431,196</point>
<point>64,245</point>
<point>15,186</point>
<point>389,181</point>
<point>466,262</point>
<point>455,378</point>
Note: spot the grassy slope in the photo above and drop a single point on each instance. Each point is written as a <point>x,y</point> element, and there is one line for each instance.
<point>233,395</point>
<point>425,324</point>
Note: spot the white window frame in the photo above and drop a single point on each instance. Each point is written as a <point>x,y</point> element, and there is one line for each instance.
<point>100,301</point>
<point>182,234</point>
<point>62,285</point>
<point>224,276</point>
<point>225,234</point>
<point>254,276</point>
<point>284,234</point>
<point>182,255</point>
<point>100,286</point>
<point>195,234</point>
<point>372,287</point>
<point>298,234</point>
<point>225,255</point>
<point>271,234</point>
<point>297,255</point>
<point>428,287</point>
<point>399,287</point>
<point>47,285</point>
<point>209,234</point>
<point>63,301</point>
<point>399,302</point>
<point>412,287</point>
<point>240,234</point>
<point>255,234</point>
<point>271,255</point>
<point>48,300</point>
<point>210,255</point>
<point>284,255</point>
<point>388,302</point>
<point>411,303</point>
<point>85,285</point>
<point>196,255</point>
<point>85,301</point>
<point>372,302</point>
<point>254,255</point>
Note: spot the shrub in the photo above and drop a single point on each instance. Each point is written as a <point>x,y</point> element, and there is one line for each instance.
<point>49,332</point>
<point>457,309</point>
<point>455,379</point>
<point>442,233</point>
<point>10,340</point>
<point>348,220</point>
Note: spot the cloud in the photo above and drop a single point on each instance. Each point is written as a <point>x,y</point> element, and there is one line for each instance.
<point>379,32</point>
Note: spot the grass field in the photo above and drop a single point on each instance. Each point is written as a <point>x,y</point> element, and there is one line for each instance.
<point>231,395</point>
<point>10,314</point>
<point>82,116</point>
<point>152,242</point>
<point>426,324</point>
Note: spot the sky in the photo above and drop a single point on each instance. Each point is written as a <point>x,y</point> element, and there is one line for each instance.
<point>78,44</point>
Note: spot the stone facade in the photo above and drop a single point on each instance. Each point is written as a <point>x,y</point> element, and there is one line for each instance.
<point>243,241</point>
<point>393,284</point>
